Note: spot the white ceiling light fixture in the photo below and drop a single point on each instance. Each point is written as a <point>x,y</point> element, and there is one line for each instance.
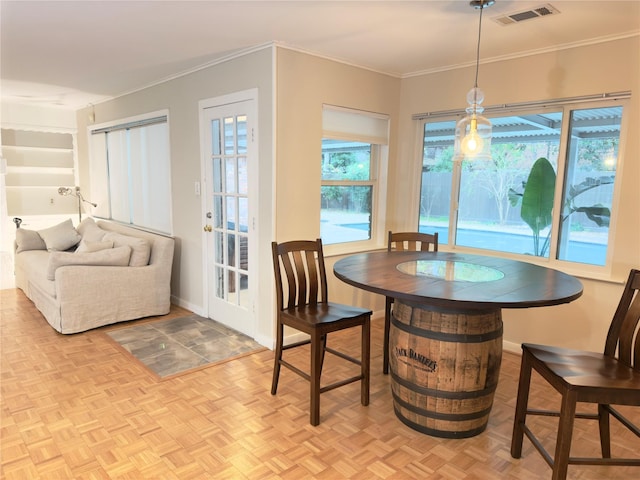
<point>473,131</point>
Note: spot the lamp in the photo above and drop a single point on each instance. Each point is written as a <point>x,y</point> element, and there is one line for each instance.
<point>473,131</point>
<point>64,191</point>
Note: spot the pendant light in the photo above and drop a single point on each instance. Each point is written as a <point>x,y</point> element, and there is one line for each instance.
<point>473,131</point>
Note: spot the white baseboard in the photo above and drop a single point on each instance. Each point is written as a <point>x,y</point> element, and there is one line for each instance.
<point>197,309</point>
<point>511,347</point>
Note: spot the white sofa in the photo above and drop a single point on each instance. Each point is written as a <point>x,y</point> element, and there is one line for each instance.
<point>111,273</point>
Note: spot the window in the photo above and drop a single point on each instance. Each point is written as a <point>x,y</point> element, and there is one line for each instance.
<point>131,173</point>
<point>353,155</point>
<point>347,191</point>
<point>547,190</point>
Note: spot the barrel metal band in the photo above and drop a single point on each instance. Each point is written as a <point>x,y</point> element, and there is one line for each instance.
<point>460,395</point>
<point>452,417</point>
<point>447,337</point>
<point>439,433</point>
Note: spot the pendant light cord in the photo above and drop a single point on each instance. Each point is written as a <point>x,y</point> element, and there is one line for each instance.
<point>478,49</point>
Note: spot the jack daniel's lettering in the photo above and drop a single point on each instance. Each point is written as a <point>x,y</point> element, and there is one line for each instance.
<point>429,364</point>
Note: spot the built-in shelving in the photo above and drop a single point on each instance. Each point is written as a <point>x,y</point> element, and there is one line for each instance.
<point>38,163</point>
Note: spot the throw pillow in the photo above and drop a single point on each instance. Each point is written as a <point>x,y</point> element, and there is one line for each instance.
<point>115,257</point>
<point>89,230</point>
<point>140,248</point>
<point>61,236</point>
<point>86,246</point>
<point>28,240</point>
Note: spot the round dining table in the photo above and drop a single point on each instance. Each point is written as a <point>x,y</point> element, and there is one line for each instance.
<point>445,339</point>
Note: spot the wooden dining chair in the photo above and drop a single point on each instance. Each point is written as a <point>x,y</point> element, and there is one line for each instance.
<point>403,241</point>
<point>605,379</point>
<point>302,302</point>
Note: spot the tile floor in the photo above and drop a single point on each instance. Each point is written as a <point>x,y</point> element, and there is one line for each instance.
<point>169,347</point>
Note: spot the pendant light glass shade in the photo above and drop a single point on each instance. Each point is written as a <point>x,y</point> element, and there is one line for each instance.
<point>473,131</point>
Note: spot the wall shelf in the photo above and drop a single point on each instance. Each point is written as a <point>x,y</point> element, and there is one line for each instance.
<point>37,164</point>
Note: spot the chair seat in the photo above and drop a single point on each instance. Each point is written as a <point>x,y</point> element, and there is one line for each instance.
<point>582,369</point>
<point>323,313</point>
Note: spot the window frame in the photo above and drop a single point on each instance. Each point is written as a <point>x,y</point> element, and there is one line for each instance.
<point>567,107</point>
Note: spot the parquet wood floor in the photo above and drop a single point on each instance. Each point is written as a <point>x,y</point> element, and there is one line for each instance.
<point>76,407</point>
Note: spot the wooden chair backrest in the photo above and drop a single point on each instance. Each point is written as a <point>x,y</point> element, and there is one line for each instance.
<point>412,241</point>
<point>623,339</point>
<point>300,273</point>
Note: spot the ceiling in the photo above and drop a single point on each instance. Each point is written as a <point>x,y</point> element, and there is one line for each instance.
<point>72,53</point>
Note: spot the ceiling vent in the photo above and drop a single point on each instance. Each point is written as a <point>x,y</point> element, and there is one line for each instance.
<point>542,11</point>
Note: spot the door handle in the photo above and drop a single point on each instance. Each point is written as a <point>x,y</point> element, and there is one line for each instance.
<point>207,228</point>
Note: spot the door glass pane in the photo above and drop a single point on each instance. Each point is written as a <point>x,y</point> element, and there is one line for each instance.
<point>230,175</point>
<point>219,285</point>
<point>217,212</point>
<point>231,213</point>
<point>229,143</point>
<point>244,252</point>
<point>243,214</point>
<point>232,285</point>
<point>219,247</point>
<point>217,174</point>
<point>589,180</point>
<point>244,291</point>
<point>231,243</point>
<point>241,133</point>
<point>215,137</point>
<point>243,177</point>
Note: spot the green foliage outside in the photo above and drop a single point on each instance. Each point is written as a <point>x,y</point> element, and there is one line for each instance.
<point>347,166</point>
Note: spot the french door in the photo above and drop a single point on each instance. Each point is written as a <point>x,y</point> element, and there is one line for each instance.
<point>230,165</point>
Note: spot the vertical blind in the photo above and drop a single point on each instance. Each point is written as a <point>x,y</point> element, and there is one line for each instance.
<point>131,173</point>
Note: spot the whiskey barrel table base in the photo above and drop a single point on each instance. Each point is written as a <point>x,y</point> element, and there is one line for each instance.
<point>444,366</point>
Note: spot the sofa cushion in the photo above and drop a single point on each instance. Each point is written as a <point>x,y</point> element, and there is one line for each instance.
<point>118,256</point>
<point>140,248</point>
<point>87,246</point>
<point>60,237</point>
<point>90,230</point>
<point>29,240</point>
